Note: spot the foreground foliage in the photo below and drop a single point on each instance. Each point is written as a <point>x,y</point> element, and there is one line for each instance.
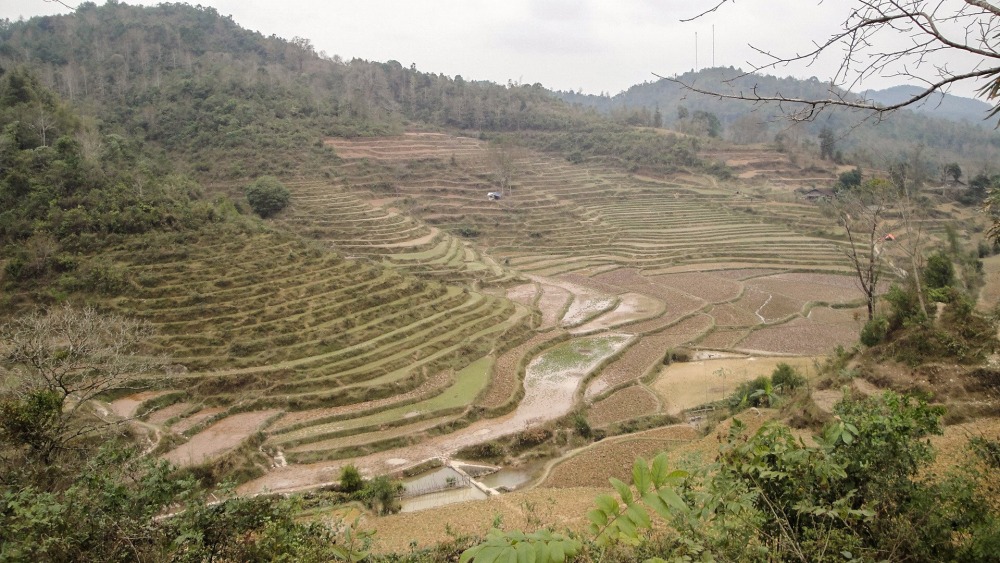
<point>857,493</point>
<point>74,487</point>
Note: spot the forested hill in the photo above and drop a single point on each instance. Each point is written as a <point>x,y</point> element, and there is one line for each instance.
<point>863,140</point>
<point>194,83</point>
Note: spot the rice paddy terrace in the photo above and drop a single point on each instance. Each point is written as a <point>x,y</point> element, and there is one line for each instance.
<point>442,319</point>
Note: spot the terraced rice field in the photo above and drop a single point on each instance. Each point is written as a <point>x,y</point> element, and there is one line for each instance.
<point>392,306</point>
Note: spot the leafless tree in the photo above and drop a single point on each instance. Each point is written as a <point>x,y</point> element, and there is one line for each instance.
<point>42,122</point>
<point>63,359</point>
<point>503,162</point>
<point>863,213</point>
<point>938,43</point>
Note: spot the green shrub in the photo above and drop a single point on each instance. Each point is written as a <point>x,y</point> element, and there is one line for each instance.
<point>676,355</point>
<point>786,377</point>
<point>874,331</point>
<point>267,196</point>
<point>581,425</point>
<point>380,494</point>
<point>350,479</point>
<point>757,392</point>
<point>939,271</point>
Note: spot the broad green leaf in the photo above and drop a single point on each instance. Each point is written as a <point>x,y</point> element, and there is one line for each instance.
<point>525,552</point>
<point>847,437</point>
<point>598,517</point>
<point>653,500</point>
<point>638,516</point>
<point>676,476</point>
<point>607,503</point>
<point>623,490</point>
<point>470,553</point>
<point>541,552</point>
<point>640,475</point>
<point>556,552</point>
<point>659,470</point>
<point>487,553</point>
<point>673,500</point>
<point>626,528</point>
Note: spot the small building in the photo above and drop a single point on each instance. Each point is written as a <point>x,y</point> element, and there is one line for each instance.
<point>493,196</point>
<point>818,194</point>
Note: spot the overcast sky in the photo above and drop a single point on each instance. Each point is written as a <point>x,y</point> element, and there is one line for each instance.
<point>593,45</point>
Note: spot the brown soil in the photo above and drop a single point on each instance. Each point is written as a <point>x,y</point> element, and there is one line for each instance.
<point>218,438</point>
<point>195,419</point>
<point>127,407</point>
<point>523,510</point>
<point>624,404</point>
<point>614,457</point>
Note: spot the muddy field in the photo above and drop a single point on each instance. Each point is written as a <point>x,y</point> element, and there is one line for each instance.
<point>218,438</point>
<point>623,404</point>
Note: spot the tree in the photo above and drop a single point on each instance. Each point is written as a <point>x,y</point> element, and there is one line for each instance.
<point>862,214</point>
<point>827,144</point>
<point>934,43</point>
<point>939,271</point>
<point>954,170</point>
<point>907,178</point>
<point>54,364</point>
<point>707,123</point>
<point>42,122</point>
<point>849,180</point>
<point>350,479</point>
<point>267,196</point>
<point>503,160</point>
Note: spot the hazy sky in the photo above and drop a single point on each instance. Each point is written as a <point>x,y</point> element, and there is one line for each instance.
<point>593,45</point>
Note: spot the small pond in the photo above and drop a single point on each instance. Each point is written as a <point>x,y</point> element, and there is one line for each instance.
<point>436,480</point>
<point>512,478</point>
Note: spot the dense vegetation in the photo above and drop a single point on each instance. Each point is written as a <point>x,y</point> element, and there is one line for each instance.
<point>858,494</point>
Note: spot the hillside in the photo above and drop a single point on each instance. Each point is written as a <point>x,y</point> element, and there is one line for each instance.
<point>393,316</point>
<point>946,106</point>
<point>970,141</point>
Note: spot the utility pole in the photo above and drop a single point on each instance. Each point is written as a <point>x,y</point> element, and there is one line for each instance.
<point>696,51</point>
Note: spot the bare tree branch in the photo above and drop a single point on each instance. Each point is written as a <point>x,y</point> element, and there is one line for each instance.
<point>892,39</point>
<point>708,11</point>
<point>61,2</point>
<point>57,362</point>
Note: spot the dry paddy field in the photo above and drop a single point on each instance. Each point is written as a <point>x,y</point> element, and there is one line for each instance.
<point>393,313</point>
<point>683,386</point>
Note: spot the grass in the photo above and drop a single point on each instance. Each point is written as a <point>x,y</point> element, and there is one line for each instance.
<point>577,352</point>
<point>468,383</point>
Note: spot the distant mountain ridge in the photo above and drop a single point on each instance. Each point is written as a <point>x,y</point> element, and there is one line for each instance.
<point>950,133</point>
<point>946,106</point>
